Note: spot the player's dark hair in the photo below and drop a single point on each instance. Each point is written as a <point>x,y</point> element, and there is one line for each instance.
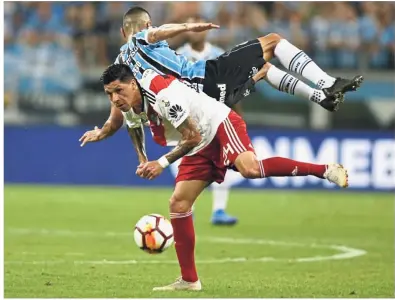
<point>134,18</point>
<point>116,72</point>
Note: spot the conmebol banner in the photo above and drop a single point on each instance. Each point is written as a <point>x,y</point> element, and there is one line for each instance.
<point>52,155</point>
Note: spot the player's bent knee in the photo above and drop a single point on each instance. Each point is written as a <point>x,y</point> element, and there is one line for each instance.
<point>272,37</point>
<point>248,165</point>
<point>270,40</point>
<point>179,204</point>
<point>250,173</point>
<point>269,43</point>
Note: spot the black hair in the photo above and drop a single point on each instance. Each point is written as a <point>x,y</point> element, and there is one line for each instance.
<point>136,10</point>
<point>117,72</point>
<point>134,16</point>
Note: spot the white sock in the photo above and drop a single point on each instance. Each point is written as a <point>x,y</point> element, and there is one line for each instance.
<point>297,61</point>
<point>220,197</point>
<point>287,83</point>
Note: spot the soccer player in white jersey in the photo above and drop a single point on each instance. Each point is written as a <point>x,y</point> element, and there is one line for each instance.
<point>198,48</point>
<point>208,136</point>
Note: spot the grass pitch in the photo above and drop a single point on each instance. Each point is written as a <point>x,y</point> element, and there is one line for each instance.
<point>77,242</point>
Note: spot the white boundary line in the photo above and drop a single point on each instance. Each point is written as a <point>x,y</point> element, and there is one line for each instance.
<point>345,252</point>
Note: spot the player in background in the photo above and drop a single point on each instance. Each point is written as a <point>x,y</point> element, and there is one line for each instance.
<point>228,78</point>
<point>198,48</point>
<point>208,136</point>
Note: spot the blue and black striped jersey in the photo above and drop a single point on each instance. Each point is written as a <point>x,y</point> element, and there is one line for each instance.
<point>141,55</point>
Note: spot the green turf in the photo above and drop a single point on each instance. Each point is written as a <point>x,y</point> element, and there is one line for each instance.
<point>49,230</point>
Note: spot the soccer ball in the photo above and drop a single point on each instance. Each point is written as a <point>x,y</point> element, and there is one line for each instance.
<point>153,234</point>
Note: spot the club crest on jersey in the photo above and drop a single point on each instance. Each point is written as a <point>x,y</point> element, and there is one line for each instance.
<point>166,102</point>
<point>176,112</point>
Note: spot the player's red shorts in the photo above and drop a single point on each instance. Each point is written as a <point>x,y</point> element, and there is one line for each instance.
<point>210,163</point>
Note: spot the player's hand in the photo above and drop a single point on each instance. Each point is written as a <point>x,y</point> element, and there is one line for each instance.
<point>199,27</point>
<point>94,135</point>
<point>149,170</point>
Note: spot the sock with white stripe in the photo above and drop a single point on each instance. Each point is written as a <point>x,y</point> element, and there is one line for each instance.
<point>285,167</point>
<point>184,237</point>
<point>287,83</point>
<point>220,197</point>
<point>297,61</point>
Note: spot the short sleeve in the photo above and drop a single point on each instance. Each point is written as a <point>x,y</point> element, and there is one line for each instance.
<point>173,108</point>
<point>142,39</point>
<point>142,36</point>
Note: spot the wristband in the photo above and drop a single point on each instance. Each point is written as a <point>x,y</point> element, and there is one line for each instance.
<point>163,162</point>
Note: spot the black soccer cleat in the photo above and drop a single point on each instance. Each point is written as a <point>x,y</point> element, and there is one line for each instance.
<point>342,86</point>
<point>331,103</point>
<point>335,93</point>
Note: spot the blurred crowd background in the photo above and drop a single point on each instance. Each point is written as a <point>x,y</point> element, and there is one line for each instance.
<point>55,51</point>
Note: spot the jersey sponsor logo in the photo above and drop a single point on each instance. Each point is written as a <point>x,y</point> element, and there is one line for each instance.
<point>222,94</point>
<point>176,112</point>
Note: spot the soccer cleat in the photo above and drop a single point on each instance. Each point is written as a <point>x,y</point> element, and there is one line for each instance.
<point>180,285</point>
<point>332,103</point>
<point>342,86</point>
<point>220,217</point>
<point>335,93</point>
<point>337,174</point>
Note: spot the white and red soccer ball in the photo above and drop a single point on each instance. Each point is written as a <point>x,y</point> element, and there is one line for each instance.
<point>153,233</point>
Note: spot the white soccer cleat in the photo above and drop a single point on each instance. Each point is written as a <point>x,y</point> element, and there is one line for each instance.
<point>337,174</point>
<point>180,285</point>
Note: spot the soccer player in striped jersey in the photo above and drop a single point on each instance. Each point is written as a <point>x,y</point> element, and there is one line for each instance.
<point>228,77</point>
<point>198,48</point>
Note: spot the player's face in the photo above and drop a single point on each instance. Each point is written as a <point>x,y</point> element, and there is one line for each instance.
<point>124,95</point>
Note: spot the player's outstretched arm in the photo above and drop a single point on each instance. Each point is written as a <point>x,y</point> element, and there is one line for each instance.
<point>111,126</point>
<point>167,31</point>
<point>190,138</point>
<point>138,139</point>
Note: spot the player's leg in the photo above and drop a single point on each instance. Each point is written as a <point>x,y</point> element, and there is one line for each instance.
<point>184,195</point>
<point>231,74</point>
<point>220,201</point>
<point>194,174</point>
<point>238,151</point>
<point>250,167</point>
<point>289,84</point>
<point>296,60</point>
